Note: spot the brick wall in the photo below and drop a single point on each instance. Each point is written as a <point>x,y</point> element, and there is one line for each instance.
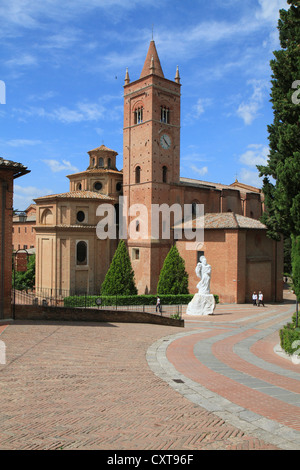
<point>39,313</point>
<point>6,198</point>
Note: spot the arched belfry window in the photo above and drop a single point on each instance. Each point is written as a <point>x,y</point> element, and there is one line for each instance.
<point>138,115</point>
<point>138,174</point>
<point>165,115</point>
<point>81,253</point>
<point>164,174</point>
<point>101,162</point>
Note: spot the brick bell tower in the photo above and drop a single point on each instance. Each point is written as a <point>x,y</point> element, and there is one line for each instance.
<point>151,161</point>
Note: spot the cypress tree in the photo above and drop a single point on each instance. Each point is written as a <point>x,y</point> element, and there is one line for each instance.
<point>173,277</point>
<point>119,279</point>
<point>281,183</point>
<point>296,264</point>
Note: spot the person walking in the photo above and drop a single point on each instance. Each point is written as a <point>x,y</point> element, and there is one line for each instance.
<point>158,304</point>
<point>260,299</point>
<point>254,298</point>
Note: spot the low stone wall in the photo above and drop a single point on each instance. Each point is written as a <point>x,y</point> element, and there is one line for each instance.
<point>40,313</point>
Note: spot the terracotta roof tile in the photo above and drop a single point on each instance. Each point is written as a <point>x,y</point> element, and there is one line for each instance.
<point>228,220</point>
<point>78,195</point>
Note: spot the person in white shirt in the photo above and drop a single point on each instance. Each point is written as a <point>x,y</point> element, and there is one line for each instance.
<point>254,298</point>
<point>260,299</point>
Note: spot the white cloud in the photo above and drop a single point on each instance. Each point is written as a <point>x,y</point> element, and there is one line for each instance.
<point>22,142</point>
<point>24,195</point>
<point>256,154</point>
<point>32,13</point>
<point>249,111</point>
<point>197,110</point>
<point>57,166</point>
<point>269,10</point>
<point>200,171</point>
<point>85,111</point>
<point>23,60</point>
<point>200,106</point>
<point>250,177</point>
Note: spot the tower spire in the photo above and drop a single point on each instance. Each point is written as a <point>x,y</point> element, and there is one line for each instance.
<point>127,79</point>
<point>177,76</point>
<point>152,55</point>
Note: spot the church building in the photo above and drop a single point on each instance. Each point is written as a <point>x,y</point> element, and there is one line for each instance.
<point>71,257</point>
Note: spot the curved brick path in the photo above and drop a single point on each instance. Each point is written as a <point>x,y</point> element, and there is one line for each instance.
<point>107,386</point>
<point>230,367</point>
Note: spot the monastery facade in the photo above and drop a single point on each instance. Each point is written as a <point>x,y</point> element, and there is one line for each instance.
<point>72,258</point>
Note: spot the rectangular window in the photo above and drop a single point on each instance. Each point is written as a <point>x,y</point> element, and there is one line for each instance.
<point>199,254</point>
<point>135,253</point>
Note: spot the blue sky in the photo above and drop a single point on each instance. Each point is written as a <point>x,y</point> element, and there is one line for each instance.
<point>64,64</point>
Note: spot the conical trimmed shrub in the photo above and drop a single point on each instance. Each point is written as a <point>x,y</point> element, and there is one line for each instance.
<point>119,279</point>
<point>173,278</point>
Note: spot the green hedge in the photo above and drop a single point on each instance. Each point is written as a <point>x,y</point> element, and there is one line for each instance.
<point>288,334</point>
<point>90,300</point>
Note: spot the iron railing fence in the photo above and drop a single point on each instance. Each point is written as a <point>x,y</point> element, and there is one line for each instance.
<point>66,298</point>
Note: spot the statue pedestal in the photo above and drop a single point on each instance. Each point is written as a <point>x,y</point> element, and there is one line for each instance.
<point>201,304</point>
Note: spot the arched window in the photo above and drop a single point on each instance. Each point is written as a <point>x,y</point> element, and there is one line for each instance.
<point>47,217</point>
<point>81,253</point>
<point>101,162</point>
<point>138,174</point>
<point>79,187</point>
<point>194,210</point>
<point>109,163</point>
<point>164,174</point>
<point>138,115</point>
<point>164,115</point>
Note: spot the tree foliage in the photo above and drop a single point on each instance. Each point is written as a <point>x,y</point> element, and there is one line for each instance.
<point>173,277</point>
<point>25,280</point>
<point>119,279</point>
<point>296,265</point>
<point>281,183</point>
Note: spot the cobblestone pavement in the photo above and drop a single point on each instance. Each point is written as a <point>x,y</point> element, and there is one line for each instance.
<point>215,384</point>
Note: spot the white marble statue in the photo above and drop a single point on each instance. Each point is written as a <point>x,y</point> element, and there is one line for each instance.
<point>203,270</point>
<point>203,303</point>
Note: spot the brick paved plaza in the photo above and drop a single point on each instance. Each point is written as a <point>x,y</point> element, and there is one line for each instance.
<point>215,384</point>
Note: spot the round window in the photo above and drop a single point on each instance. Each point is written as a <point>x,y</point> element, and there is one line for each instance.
<point>80,216</point>
<point>98,186</point>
